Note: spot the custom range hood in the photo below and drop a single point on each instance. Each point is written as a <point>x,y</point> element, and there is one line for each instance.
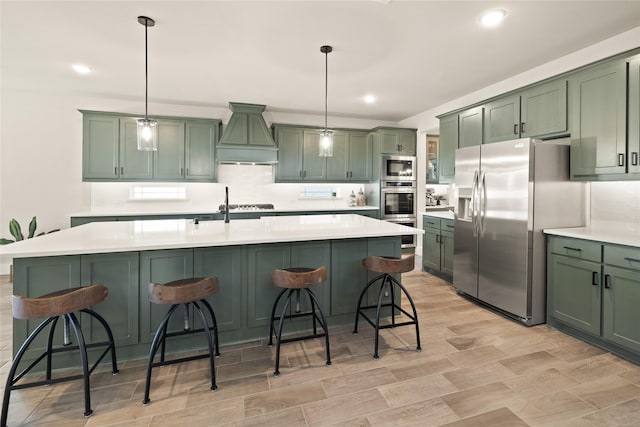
<point>246,138</point>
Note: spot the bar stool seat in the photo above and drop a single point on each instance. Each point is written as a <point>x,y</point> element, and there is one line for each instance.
<point>293,280</point>
<point>63,303</point>
<point>186,292</point>
<point>387,266</point>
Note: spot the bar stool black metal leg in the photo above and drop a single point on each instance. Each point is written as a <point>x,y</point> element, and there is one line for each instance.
<point>154,348</point>
<point>85,363</point>
<point>314,301</point>
<point>279,334</point>
<point>207,332</point>
<point>313,311</point>
<point>362,294</point>
<point>52,329</point>
<point>415,313</point>
<point>393,300</point>
<point>11,378</point>
<point>273,316</point>
<point>105,325</point>
<point>378,309</point>
<point>215,325</point>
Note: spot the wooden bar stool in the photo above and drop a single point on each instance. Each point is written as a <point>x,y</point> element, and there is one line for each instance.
<point>63,303</point>
<point>184,292</point>
<point>293,280</point>
<point>387,266</point>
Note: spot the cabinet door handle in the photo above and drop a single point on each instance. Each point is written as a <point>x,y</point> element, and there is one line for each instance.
<point>607,281</point>
<point>181,171</point>
<point>620,159</point>
<point>594,278</point>
<point>437,238</point>
<point>187,172</point>
<point>522,127</point>
<point>347,174</point>
<point>115,170</point>
<point>121,170</point>
<point>300,173</point>
<point>634,159</point>
<point>515,129</point>
<point>304,174</point>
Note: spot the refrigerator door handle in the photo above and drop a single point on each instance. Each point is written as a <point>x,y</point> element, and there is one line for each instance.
<point>482,201</point>
<point>474,204</point>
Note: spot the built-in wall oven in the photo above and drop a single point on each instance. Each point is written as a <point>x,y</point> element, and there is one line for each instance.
<point>398,205</point>
<point>407,240</point>
<point>398,168</point>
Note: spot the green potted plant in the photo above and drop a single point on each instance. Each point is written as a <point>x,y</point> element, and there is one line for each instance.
<point>16,231</point>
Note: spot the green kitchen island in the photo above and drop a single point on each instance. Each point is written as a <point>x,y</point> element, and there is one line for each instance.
<point>127,256</point>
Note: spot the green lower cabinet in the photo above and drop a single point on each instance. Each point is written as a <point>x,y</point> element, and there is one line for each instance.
<point>575,296</point>
<point>348,276</point>
<point>119,273</point>
<point>437,246</point>
<point>225,263</point>
<point>620,302</point>
<point>161,266</point>
<point>446,253</point>
<point>314,255</point>
<point>34,277</point>
<point>261,293</point>
<point>431,248</point>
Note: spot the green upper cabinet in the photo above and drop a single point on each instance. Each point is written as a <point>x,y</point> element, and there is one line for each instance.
<point>185,149</point>
<point>168,161</point>
<point>598,121</point>
<point>470,127</point>
<point>351,159</point>
<point>535,112</point>
<point>299,159</point>
<point>400,141</point>
<point>502,119</point>
<point>447,148</point>
<point>634,115</point>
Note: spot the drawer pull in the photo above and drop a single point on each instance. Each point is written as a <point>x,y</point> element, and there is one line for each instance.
<point>522,128</point>
<point>594,278</point>
<point>631,259</point>
<point>634,159</point>
<point>607,281</point>
<point>572,249</point>
<point>620,159</point>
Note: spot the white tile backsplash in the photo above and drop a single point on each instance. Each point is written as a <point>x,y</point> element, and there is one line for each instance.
<point>616,204</point>
<point>247,184</point>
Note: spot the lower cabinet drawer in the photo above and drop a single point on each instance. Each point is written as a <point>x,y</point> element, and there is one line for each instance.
<point>574,248</point>
<point>622,256</point>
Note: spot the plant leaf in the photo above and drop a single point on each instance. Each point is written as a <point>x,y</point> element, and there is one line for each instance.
<point>32,227</point>
<point>15,229</point>
<point>4,241</point>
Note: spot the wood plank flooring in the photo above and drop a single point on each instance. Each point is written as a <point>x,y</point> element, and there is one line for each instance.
<point>476,369</point>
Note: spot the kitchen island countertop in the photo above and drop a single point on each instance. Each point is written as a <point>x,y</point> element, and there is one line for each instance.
<point>109,237</point>
<point>619,235</point>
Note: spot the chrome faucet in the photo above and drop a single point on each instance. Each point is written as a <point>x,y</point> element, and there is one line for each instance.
<point>226,204</point>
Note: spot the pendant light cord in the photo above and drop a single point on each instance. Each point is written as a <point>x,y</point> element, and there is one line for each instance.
<point>326,85</point>
<point>146,71</point>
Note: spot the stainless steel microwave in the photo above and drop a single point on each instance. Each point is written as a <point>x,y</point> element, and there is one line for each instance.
<point>398,168</point>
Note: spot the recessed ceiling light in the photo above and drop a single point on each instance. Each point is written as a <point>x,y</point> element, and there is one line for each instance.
<point>369,99</point>
<point>81,69</point>
<point>493,18</point>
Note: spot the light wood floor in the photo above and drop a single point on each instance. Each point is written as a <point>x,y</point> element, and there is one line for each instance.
<point>476,369</point>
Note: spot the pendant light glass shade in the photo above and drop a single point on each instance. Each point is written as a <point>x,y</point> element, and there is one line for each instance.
<point>326,136</point>
<point>326,143</point>
<point>147,135</point>
<point>147,128</point>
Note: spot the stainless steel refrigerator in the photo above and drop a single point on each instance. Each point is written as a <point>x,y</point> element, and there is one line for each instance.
<point>506,194</point>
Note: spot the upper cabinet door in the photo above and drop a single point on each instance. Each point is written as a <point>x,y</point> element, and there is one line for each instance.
<point>134,164</point>
<point>470,133</point>
<point>338,165</point>
<point>290,145</point>
<point>447,149</point>
<point>314,167</point>
<point>502,119</point>
<point>169,159</point>
<point>544,109</point>
<point>100,147</point>
<point>634,114</point>
<point>359,156</point>
<point>200,144</point>
<point>598,112</point>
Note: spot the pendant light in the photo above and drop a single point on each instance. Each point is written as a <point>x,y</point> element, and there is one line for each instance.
<point>147,128</point>
<point>326,136</point>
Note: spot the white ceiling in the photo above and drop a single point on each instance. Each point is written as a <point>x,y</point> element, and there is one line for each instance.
<point>413,55</point>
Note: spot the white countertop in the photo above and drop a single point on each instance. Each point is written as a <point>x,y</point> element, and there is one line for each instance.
<point>214,209</point>
<point>126,236</point>
<point>616,235</point>
<point>440,214</point>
